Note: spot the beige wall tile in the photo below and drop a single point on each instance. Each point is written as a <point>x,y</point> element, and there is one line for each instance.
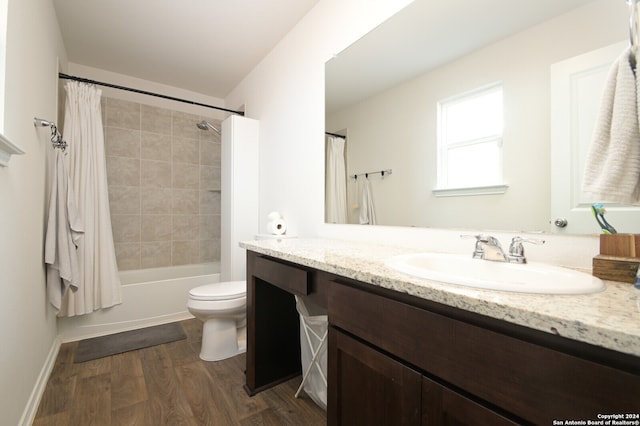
<point>185,252</point>
<point>126,228</point>
<point>154,146</point>
<point>162,214</point>
<point>185,201</point>
<point>209,227</point>
<point>155,254</point>
<point>124,199</point>
<point>156,200</point>
<point>210,178</point>
<point>123,171</point>
<point>156,227</point>
<point>185,176</point>
<point>210,153</point>
<point>128,256</point>
<point>155,174</point>
<point>210,202</point>
<point>185,150</point>
<point>123,114</point>
<point>185,125</point>
<point>155,119</point>
<point>185,227</point>
<point>122,142</point>
<point>209,250</point>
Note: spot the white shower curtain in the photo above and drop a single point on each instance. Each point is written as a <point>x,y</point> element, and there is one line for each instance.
<point>336,182</point>
<point>99,281</point>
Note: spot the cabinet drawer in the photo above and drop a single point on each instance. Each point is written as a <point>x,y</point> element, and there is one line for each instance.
<point>532,382</point>
<point>290,278</point>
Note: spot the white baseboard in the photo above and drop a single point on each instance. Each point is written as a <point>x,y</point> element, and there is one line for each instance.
<point>31,409</point>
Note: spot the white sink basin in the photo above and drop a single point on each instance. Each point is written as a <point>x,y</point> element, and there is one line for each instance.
<point>466,271</point>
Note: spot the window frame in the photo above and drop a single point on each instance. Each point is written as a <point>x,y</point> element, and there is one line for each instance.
<point>443,147</point>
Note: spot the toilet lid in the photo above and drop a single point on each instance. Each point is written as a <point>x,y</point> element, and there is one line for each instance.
<point>219,291</point>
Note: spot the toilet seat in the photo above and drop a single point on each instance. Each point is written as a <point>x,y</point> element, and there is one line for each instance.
<point>219,291</point>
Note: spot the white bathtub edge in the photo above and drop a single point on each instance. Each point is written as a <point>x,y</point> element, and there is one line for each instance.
<point>143,305</point>
<point>97,330</point>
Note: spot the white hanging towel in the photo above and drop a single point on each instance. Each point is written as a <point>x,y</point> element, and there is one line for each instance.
<point>612,171</point>
<point>367,213</point>
<point>64,230</point>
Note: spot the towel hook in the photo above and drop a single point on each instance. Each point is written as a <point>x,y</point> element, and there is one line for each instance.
<point>633,24</point>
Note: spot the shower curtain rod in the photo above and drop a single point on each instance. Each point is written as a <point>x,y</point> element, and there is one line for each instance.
<point>144,92</point>
<point>335,134</point>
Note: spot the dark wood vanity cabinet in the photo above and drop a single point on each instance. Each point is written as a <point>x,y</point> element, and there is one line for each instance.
<point>474,369</point>
<point>372,388</point>
<point>369,386</point>
<point>395,359</point>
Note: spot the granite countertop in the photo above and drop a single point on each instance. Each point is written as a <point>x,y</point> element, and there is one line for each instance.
<point>610,319</point>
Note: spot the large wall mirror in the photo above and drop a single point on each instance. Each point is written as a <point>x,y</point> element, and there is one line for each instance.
<point>382,93</point>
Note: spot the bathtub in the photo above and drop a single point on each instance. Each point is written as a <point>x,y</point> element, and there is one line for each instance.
<point>149,297</point>
<point>201,273</point>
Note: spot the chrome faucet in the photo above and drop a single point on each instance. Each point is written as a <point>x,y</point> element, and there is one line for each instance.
<point>489,248</point>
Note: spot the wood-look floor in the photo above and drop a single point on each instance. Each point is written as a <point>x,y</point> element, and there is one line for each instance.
<point>166,385</point>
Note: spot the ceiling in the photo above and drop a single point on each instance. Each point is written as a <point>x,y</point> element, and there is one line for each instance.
<point>439,30</point>
<point>206,46</point>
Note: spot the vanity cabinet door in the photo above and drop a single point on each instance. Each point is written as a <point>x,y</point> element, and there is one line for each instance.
<point>442,406</point>
<point>369,388</point>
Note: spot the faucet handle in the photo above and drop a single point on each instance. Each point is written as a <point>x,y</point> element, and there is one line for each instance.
<point>516,249</point>
<point>478,252</point>
<point>483,240</point>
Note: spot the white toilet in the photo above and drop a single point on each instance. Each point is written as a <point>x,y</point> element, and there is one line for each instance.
<point>222,308</point>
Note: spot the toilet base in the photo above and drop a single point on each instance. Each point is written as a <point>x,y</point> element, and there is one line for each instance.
<point>221,339</point>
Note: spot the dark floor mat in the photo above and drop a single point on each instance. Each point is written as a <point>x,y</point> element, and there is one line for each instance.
<point>112,344</point>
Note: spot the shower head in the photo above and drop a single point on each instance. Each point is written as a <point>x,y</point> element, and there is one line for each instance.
<point>205,125</point>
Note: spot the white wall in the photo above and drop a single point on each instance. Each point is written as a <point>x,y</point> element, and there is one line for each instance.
<point>397,129</point>
<point>28,332</point>
<point>286,93</point>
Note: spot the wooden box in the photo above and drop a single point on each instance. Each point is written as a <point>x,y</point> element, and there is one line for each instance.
<point>619,257</point>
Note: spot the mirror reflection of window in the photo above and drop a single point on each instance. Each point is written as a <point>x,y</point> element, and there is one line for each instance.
<point>470,139</point>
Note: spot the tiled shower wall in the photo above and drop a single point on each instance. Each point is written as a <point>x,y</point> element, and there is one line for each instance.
<point>164,185</point>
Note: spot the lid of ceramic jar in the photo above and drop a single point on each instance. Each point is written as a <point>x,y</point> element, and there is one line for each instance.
<point>219,291</point>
